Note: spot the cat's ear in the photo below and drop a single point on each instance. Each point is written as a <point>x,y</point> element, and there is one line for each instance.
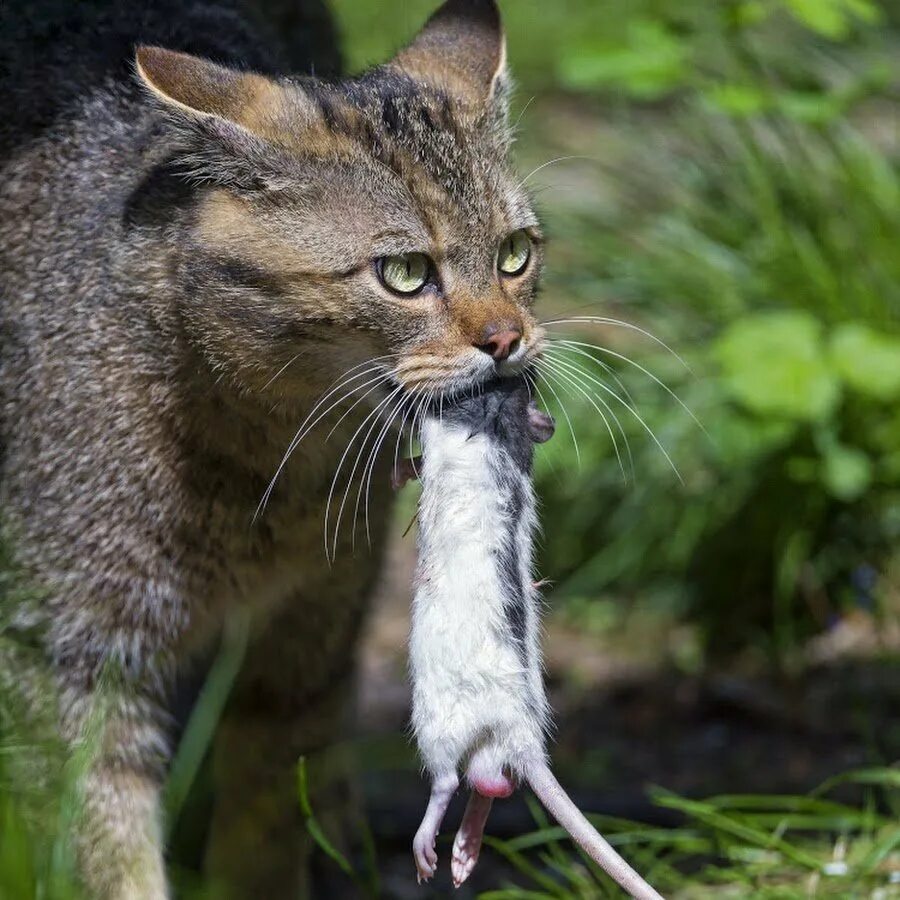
<point>200,89</point>
<point>234,121</point>
<point>462,51</point>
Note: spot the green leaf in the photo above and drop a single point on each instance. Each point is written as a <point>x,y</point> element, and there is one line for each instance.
<point>742,440</point>
<point>809,106</point>
<point>832,18</point>
<point>775,364</point>
<point>880,851</point>
<point>707,814</point>
<point>312,824</point>
<point>521,863</point>
<point>824,16</point>
<point>751,12</point>
<point>207,713</point>
<point>846,472</point>
<point>737,99</point>
<point>886,777</point>
<point>867,360</point>
<point>651,61</point>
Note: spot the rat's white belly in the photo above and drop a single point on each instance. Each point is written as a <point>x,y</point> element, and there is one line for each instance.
<point>470,679</point>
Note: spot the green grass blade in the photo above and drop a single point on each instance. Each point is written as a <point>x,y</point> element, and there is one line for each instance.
<point>206,715</point>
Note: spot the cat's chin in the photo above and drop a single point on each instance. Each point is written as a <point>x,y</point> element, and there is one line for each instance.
<point>467,387</point>
<point>510,368</point>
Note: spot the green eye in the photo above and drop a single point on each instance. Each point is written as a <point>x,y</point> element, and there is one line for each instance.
<point>406,274</point>
<point>514,253</point>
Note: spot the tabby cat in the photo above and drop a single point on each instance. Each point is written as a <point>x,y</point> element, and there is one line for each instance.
<point>192,253</point>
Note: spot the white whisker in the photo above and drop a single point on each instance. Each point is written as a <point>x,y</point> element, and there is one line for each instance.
<point>638,418</point>
<point>524,110</point>
<point>372,414</point>
<point>380,382</point>
<point>385,426</point>
<point>417,425</point>
<point>399,440</point>
<point>529,376</point>
<point>571,379</point>
<point>369,468</point>
<point>605,320</point>
<point>281,371</point>
<point>552,162</point>
<point>566,415</point>
<point>309,423</point>
<point>631,362</point>
<point>557,344</point>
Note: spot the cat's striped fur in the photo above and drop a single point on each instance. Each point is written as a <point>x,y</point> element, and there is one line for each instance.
<point>186,255</point>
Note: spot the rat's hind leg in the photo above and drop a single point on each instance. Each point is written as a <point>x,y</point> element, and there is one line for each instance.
<point>487,778</point>
<point>442,790</point>
<point>467,844</point>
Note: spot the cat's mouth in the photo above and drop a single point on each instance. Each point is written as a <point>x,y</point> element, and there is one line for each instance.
<point>439,375</point>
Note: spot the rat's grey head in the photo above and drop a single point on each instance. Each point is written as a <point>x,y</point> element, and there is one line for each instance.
<point>505,412</point>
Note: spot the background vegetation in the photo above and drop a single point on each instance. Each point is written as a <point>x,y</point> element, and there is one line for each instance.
<point>726,177</point>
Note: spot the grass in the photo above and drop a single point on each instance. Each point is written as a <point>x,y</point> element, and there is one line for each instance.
<point>778,847</point>
<point>840,840</point>
<point>762,255</point>
<point>753,846</point>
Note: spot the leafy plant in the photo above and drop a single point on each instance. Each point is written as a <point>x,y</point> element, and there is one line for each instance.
<point>791,317</point>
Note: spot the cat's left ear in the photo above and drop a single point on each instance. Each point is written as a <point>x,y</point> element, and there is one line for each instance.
<point>461,50</point>
<point>198,90</point>
<point>233,123</point>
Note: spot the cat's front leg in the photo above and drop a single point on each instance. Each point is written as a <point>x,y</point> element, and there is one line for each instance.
<point>119,842</point>
<point>116,727</point>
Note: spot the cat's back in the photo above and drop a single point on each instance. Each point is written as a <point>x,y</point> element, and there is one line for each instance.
<point>54,53</point>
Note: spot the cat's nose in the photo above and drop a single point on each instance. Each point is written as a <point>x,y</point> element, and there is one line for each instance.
<point>500,341</point>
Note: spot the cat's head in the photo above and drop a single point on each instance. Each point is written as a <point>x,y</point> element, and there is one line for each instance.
<point>371,216</point>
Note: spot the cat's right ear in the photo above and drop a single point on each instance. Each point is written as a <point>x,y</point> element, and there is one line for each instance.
<point>462,51</point>
<point>230,117</point>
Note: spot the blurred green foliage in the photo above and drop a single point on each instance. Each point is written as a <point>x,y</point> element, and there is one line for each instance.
<point>651,49</point>
<point>40,795</point>
<point>771,264</point>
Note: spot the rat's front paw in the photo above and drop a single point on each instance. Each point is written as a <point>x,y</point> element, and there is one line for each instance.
<point>425,855</point>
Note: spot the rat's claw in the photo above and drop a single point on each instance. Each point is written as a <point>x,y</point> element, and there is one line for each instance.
<point>464,858</point>
<point>425,856</point>
<point>405,470</point>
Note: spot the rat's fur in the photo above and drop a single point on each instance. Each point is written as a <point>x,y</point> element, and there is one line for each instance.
<point>186,254</point>
<point>475,660</point>
<point>478,693</point>
<point>474,645</point>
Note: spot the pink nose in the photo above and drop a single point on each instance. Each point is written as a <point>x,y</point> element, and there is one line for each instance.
<point>502,343</point>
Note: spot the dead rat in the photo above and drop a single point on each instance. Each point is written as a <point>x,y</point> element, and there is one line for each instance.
<point>478,694</point>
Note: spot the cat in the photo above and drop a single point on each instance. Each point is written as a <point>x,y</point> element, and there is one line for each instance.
<point>192,253</point>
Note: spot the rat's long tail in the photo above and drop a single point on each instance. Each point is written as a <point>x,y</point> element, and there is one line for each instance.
<point>557,802</point>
